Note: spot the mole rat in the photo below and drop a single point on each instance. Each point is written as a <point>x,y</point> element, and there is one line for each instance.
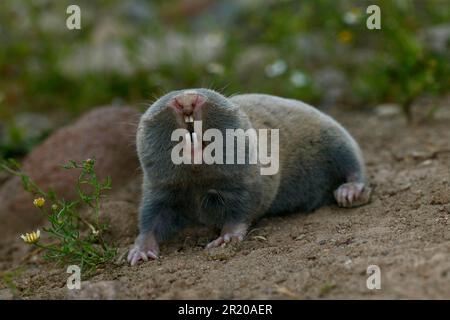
<point>318,163</point>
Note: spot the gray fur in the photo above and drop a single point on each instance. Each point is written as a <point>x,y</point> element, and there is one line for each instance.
<point>316,156</point>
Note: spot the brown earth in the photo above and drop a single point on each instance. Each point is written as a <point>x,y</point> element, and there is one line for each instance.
<point>405,231</point>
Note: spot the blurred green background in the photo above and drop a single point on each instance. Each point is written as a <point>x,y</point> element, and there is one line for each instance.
<point>130,51</point>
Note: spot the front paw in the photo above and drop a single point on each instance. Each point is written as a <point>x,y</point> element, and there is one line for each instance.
<point>137,253</point>
<point>145,248</point>
<point>231,232</point>
<point>224,239</point>
<point>352,194</point>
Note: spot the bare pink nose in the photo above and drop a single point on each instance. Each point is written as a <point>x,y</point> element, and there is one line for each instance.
<point>187,102</point>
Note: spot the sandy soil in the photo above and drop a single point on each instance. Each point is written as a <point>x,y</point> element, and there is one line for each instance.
<point>405,231</point>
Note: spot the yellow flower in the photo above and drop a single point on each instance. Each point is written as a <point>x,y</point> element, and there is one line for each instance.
<point>32,237</point>
<point>39,202</point>
<point>345,36</point>
<point>88,164</point>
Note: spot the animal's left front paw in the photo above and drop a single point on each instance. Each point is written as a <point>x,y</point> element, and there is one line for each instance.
<point>352,194</point>
<point>224,239</point>
<point>231,232</point>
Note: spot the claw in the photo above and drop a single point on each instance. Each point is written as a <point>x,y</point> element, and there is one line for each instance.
<point>134,260</point>
<point>352,194</point>
<point>152,255</point>
<point>136,254</point>
<point>226,238</point>
<point>143,256</point>
<point>215,243</point>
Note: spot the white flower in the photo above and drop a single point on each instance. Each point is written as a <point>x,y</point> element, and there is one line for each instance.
<point>298,79</point>
<point>32,237</point>
<point>352,17</point>
<point>275,69</point>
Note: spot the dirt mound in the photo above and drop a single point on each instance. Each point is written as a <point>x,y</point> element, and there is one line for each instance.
<point>325,254</point>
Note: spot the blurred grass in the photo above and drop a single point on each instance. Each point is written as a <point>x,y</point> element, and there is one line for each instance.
<point>277,47</point>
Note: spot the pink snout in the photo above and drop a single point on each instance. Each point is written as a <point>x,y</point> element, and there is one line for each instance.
<point>187,102</point>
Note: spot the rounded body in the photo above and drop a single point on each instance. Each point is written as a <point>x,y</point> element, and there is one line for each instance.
<point>318,161</point>
<point>317,154</point>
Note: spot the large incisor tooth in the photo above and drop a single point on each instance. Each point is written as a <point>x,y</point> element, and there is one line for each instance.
<point>191,119</point>
<point>188,140</point>
<point>186,119</point>
<point>196,142</point>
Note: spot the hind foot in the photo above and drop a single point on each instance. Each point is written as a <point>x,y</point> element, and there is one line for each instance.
<point>230,233</point>
<point>352,194</point>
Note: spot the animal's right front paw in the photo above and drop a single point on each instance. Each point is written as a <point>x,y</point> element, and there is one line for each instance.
<point>145,248</point>
<point>137,253</point>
